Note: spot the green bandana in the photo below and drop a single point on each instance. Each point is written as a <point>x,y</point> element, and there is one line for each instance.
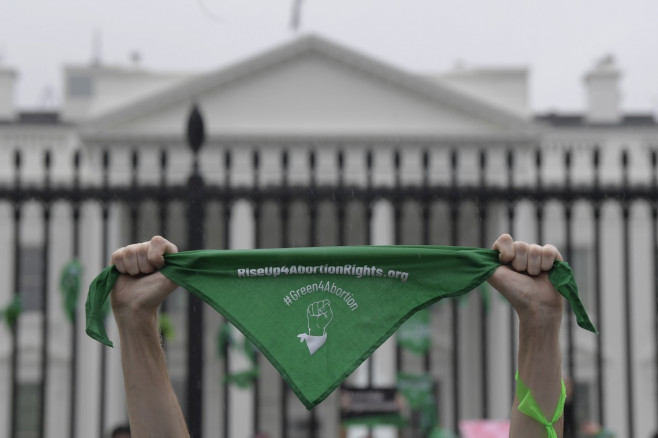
<point>69,286</point>
<point>318,313</point>
<point>528,405</point>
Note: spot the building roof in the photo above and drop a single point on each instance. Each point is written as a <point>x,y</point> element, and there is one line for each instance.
<point>192,89</point>
<point>35,118</point>
<point>573,120</point>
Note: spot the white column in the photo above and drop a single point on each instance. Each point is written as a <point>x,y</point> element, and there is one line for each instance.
<point>242,235</point>
<point>384,373</point>
<point>6,276</point>
<point>115,402</point>
<point>59,329</point>
<point>88,355</point>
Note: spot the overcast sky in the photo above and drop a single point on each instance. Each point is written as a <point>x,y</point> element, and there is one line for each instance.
<point>558,40</point>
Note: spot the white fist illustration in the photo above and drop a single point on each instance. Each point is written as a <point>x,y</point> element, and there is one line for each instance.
<point>319,315</point>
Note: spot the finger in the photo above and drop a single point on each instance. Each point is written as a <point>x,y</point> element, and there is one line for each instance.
<point>157,248</point>
<point>130,259</point>
<point>330,312</point>
<point>534,259</point>
<point>142,261</point>
<point>117,260</point>
<point>520,261</point>
<point>549,254</point>
<point>505,245</point>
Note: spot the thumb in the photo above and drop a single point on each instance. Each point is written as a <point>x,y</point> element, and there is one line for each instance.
<point>498,278</point>
<point>504,280</point>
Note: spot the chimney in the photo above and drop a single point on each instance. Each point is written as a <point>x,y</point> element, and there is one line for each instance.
<point>7,91</point>
<point>603,96</point>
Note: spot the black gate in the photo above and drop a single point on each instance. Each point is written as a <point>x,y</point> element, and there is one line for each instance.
<point>459,207</point>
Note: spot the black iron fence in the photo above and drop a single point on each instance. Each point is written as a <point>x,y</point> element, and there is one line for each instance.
<point>519,194</point>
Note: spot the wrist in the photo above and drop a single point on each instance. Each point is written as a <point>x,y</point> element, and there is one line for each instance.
<point>540,329</point>
<point>136,321</point>
<point>316,332</point>
<point>541,317</point>
<point>540,325</point>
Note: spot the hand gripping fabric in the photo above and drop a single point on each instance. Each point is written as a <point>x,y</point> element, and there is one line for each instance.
<point>528,405</point>
<point>318,313</point>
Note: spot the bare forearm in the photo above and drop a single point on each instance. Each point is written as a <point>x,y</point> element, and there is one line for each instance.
<point>153,409</point>
<point>539,366</point>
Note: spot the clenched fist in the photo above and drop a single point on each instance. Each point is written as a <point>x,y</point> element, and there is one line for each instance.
<point>319,316</point>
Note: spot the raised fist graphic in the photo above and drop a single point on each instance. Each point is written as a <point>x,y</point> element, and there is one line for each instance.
<point>319,315</point>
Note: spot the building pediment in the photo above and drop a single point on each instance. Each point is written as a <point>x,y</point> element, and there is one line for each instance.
<point>311,87</point>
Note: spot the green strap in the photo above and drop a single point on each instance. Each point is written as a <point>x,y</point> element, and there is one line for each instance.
<point>528,405</point>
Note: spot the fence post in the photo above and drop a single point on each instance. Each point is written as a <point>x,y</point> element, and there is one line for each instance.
<point>195,222</point>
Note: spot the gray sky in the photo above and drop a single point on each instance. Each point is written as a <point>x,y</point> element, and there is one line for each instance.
<point>557,39</point>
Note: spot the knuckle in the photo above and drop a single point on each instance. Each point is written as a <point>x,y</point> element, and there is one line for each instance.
<point>130,252</point>
<point>116,256</point>
<point>549,251</point>
<point>505,238</point>
<point>505,245</point>
<point>534,251</point>
<point>521,247</point>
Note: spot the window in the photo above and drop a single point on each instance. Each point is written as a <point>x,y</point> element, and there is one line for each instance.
<point>30,277</point>
<point>79,86</point>
<point>583,402</point>
<point>27,420</point>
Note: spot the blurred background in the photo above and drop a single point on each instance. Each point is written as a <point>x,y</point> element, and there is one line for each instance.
<point>252,124</point>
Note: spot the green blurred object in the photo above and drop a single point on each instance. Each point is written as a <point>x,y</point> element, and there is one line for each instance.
<point>224,338</point>
<point>242,379</point>
<point>418,390</point>
<point>166,326</point>
<point>249,349</point>
<point>414,333</point>
<point>12,311</point>
<point>441,433</point>
<point>69,286</point>
<point>485,294</point>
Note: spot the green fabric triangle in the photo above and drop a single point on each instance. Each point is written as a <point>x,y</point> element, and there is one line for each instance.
<point>318,313</point>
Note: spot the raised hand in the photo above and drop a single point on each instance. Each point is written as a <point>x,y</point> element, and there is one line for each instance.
<point>524,279</point>
<point>142,288</point>
<point>153,409</point>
